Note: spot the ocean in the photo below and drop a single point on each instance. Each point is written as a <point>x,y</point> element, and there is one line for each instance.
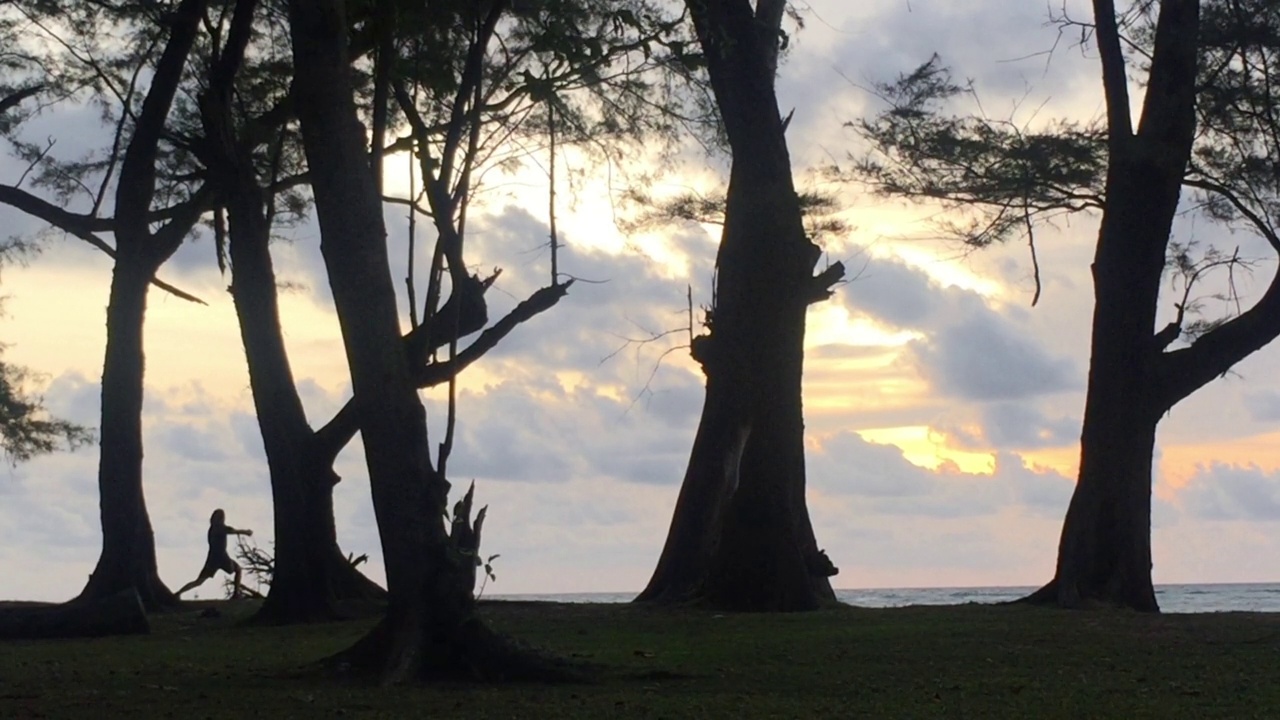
<point>1243,597</point>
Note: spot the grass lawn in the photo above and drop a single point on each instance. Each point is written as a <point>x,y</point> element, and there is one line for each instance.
<point>925,662</point>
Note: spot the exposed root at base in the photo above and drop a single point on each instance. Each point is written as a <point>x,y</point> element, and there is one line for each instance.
<point>471,652</point>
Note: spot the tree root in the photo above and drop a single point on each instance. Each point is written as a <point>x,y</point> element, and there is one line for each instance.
<point>470,652</point>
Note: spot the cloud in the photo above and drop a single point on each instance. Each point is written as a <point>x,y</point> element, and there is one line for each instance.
<point>72,396</point>
<point>982,358</point>
<point>1221,491</point>
<point>884,482</point>
<point>900,295</point>
<point>541,432</point>
<point>1263,405</point>
<point>1011,425</point>
<point>967,349</point>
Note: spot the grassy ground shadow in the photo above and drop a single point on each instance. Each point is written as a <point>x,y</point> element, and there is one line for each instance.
<point>925,662</point>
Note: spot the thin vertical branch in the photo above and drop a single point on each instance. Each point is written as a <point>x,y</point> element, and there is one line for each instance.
<point>382,62</point>
<point>446,447</point>
<point>1115,82</point>
<point>688,289</point>
<point>1031,243</point>
<point>413,231</point>
<point>551,196</point>
<point>462,193</point>
<point>434,279</point>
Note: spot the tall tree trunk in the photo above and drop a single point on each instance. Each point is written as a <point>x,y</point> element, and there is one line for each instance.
<point>1105,555</point>
<point>708,483</point>
<point>741,537</point>
<point>128,544</point>
<point>430,628</point>
<point>128,558</point>
<point>310,571</point>
<point>1105,552</point>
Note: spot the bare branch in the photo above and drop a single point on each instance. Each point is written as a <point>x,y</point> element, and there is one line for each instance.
<point>1115,81</point>
<point>335,434</point>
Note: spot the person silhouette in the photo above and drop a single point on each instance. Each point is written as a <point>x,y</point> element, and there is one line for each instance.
<point>218,559</point>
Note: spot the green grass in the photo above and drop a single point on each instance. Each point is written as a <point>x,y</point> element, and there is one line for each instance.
<point>941,662</point>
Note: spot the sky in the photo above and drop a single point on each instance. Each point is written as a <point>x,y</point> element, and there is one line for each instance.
<point>942,410</point>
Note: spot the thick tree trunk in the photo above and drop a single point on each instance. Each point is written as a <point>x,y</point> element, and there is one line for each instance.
<point>741,537</point>
<point>708,483</point>
<point>310,571</point>
<point>430,628</point>
<point>1105,554</point>
<point>767,559</point>
<point>128,559</point>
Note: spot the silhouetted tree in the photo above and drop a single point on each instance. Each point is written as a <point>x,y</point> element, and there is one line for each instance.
<point>242,140</point>
<point>145,236</point>
<point>741,537</point>
<point>1207,124</point>
<point>430,628</point>
<point>467,98</point>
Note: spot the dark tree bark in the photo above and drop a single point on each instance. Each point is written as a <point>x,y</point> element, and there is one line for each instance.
<point>1207,124</point>
<point>310,573</point>
<point>430,628</point>
<point>128,545</point>
<point>741,537</point>
<point>1105,551</point>
<point>128,559</point>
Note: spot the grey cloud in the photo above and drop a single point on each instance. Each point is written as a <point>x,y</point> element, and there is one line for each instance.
<point>48,504</point>
<point>191,443</point>
<point>1013,425</point>
<point>248,435</point>
<point>1232,492</point>
<point>882,479</point>
<point>878,41</point>
<point>517,431</point>
<point>899,295</point>
<point>1019,425</point>
<point>969,350</point>
<point>74,397</point>
<point>982,358</point>
<point>1263,405</point>
<point>606,327</point>
<point>320,404</point>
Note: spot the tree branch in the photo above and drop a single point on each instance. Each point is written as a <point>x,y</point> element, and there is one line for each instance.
<point>542,300</point>
<point>136,188</point>
<point>335,434</point>
<point>11,101</point>
<point>1262,227</point>
<point>81,226</point>
<point>1182,372</point>
<point>820,285</point>
<point>1115,82</point>
<point>1169,107</point>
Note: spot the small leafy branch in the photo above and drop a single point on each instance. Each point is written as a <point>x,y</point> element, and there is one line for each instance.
<point>260,565</point>
<point>257,563</point>
<point>1188,268</point>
